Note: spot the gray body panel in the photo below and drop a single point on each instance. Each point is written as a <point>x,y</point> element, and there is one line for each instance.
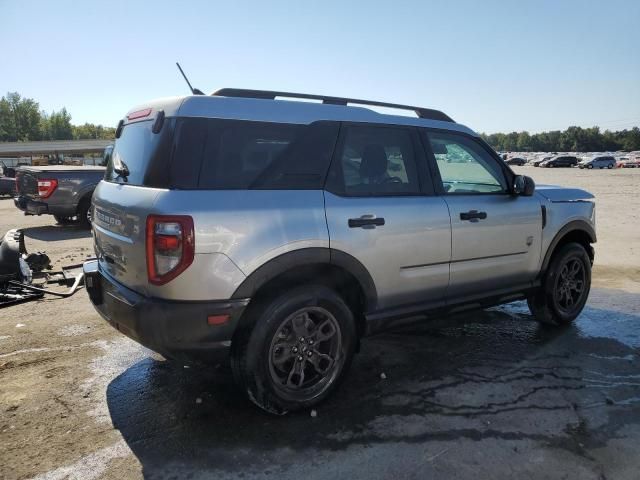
<point>500,251</point>
<point>74,183</point>
<point>408,256</point>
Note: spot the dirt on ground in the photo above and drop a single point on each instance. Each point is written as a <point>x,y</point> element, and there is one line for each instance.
<point>490,395</point>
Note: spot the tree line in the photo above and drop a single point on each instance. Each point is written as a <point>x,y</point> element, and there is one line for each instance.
<point>22,120</point>
<point>573,139</point>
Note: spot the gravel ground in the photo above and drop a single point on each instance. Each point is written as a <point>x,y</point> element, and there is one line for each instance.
<point>489,395</point>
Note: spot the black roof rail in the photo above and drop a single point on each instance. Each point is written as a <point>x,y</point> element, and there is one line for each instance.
<point>271,95</point>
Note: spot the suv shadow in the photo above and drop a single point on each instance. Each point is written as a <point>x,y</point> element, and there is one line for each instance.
<point>483,377</point>
<point>56,233</point>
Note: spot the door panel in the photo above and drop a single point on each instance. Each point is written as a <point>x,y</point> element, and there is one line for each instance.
<point>495,236</point>
<point>408,256</point>
<point>496,252</point>
<point>380,209</point>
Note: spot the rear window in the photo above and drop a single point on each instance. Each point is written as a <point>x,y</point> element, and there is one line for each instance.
<point>235,154</point>
<point>144,153</point>
<point>215,154</point>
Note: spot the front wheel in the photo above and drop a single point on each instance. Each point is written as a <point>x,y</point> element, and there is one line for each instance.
<point>294,349</point>
<point>565,287</point>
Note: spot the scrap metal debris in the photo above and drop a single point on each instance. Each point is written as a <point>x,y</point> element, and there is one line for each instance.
<point>23,276</point>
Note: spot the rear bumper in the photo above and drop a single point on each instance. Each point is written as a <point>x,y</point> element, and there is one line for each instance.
<point>177,330</point>
<point>30,206</point>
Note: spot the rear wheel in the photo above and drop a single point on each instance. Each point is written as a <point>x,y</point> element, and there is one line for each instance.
<point>295,350</point>
<point>610,165</point>
<point>565,287</point>
<point>84,213</point>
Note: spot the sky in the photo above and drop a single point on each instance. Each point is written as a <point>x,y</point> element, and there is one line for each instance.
<point>496,66</point>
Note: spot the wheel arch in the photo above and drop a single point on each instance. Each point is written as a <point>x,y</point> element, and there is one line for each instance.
<point>333,268</point>
<point>578,231</point>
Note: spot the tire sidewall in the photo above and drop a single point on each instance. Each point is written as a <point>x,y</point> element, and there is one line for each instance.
<point>569,251</point>
<point>83,211</point>
<point>267,325</point>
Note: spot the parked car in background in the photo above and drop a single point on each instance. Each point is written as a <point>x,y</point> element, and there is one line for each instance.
<point>63,191</point>
<point>516,161</point>
<point>560,161</point>
<point>537,161</point>
<point>278,233</point>
<point>7,180</point>
<point>630,163</point>
<point>606,161</point>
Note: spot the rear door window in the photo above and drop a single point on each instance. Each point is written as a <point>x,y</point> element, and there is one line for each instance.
<point>375,161</point>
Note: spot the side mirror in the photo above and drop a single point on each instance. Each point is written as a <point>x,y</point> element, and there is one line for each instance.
<point>523,185</point>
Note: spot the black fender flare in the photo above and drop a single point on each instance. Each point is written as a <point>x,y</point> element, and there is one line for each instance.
<point>574,225</point>
<point>314,256</point>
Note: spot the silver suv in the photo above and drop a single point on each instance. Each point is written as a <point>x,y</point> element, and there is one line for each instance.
<point>278,233</point>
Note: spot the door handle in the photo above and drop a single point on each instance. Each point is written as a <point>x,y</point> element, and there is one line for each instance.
<point>473,215</point>
<point>366,221</point>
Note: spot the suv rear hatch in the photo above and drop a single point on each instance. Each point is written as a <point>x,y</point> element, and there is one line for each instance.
<point>136,172</point>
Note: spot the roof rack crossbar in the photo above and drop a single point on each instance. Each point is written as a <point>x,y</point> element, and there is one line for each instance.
<point>272,95</point>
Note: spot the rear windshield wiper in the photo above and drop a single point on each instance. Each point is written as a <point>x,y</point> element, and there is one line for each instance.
<point>121,169</point>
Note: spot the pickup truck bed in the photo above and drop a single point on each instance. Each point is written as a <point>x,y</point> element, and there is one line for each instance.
<point>65,190</point>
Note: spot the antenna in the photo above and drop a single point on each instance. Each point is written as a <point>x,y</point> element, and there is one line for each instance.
<point>194,91</point>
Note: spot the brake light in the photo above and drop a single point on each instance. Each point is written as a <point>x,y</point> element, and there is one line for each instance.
<point>170,246</point>
<point>46,187</point>
<point>139,114</point>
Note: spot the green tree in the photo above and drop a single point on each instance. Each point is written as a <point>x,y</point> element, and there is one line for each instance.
<point>19,118</point>
<point>59,125</point>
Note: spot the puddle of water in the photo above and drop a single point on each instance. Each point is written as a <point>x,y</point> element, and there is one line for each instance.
<point>119,355</point>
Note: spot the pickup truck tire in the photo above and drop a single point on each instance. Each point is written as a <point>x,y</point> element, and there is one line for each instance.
<point>64,220</point>
<point>294,348</point>
<point>84,209</point>
<point>565,287</point>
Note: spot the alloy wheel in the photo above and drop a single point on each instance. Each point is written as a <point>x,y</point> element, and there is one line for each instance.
<point>305,353</point>
<point>570,285</point>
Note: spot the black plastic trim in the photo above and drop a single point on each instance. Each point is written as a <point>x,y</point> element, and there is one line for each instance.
<point>575,225</point>
<point>175,329</point>
<point>415,313</point>
<point>421,112</point>
<point>308,257</point>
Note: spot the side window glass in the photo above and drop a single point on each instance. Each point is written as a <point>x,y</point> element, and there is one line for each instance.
<point>376,161</point>
<point>464,166</point>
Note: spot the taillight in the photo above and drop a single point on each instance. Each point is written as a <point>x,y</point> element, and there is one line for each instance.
<point>46,187</point>
<point>170,246</point>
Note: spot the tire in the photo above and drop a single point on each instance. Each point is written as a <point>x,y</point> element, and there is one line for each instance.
<point>271,356</point>
<point>610,166</point>
<point>64,220</point>
<point>84,212</point>
<point>558,301</point>
<point>590,166</point>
